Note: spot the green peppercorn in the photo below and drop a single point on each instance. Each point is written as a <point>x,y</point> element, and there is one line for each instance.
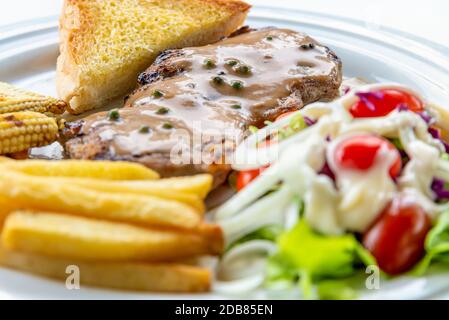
<point>144,129</point>
<point>162,110</point>
<point>167,126</point>
<point>114,115</point>
<point>209,64</point>
<point>232,63</point>
<point>157,94</point>
<point>244,69</point>
<point>269,38</point>
<point>236,106</point>
<point>237,84</point>
<point>218,80</point>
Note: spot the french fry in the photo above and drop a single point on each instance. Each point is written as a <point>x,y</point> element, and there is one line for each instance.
<point>137,179</point>
<point>85,239</point>
<point>162,277</point>
<point>130,187</point>
<point>49,195</point>
<point>6,207</point>
<point>128,174</point>
<point>199,184</point>
<point>107,170</point>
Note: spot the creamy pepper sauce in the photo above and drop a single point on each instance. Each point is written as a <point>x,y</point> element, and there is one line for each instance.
<point>223,89</point>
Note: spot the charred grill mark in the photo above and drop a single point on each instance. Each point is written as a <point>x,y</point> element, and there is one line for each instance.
<point>242,30</point>
<point>72,129</point>
<point>168,54</point>
<point>162,73</point>
<point>332,55</point>
<point>160,68</point>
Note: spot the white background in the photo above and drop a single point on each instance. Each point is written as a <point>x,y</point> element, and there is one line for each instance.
<point>426,18</point>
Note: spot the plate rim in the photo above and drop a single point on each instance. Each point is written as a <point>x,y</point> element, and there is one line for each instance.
<point>52,21</point>
<point>41,26</point>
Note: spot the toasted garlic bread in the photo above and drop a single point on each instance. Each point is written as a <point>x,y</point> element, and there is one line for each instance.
<point>105,44</point>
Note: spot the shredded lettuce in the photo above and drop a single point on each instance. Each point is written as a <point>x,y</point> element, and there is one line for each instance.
<point>269,233</point>
<point>436,245</point>
<point>309,257</point>
<point>253,129</point>
<point>297,124</point>
<point>397,143</point>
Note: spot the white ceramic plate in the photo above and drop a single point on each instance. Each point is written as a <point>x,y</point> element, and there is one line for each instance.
<point>28,55</point>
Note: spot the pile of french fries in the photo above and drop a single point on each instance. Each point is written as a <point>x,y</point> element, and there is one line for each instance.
<point>118,222</point>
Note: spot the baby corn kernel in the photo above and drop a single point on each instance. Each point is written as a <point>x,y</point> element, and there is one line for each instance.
<point>13,99</point>
<point>23,130</point>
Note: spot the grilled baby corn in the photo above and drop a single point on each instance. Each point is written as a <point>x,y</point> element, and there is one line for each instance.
<point>13,99</point>
<point>23,130</point>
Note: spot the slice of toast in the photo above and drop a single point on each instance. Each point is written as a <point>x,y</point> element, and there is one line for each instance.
<point>106,43</point>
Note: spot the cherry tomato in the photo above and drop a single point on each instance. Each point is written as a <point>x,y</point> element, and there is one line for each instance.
<point>284,115</point>
<point>246,177</point>
<point>266,143</point>
<point>360,152</point>
<point>382,102</point>
<point>396,240</point>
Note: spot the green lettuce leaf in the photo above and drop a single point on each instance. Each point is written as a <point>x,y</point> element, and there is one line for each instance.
<point>336,290</point>
<point>436,245</point>
<point>310,257</point>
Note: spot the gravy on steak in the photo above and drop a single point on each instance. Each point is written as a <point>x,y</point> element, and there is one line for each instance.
<point>204,99</point>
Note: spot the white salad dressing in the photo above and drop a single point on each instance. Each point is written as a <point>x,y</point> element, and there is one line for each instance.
<point>421,169</point>
<point>362,194</point>
<point>358,198</point>
<point>321,202</point>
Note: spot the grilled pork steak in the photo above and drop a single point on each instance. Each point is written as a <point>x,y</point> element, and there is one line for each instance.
<point>199,102</point>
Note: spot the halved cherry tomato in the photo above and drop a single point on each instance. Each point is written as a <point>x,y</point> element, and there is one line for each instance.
<point>245,177</point>
<point>284,115</point>
<point>396,240</point>
<point>360,152</point>
<point>382,102</point>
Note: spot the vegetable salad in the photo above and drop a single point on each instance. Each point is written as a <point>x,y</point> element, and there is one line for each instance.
<point>333,188</point>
